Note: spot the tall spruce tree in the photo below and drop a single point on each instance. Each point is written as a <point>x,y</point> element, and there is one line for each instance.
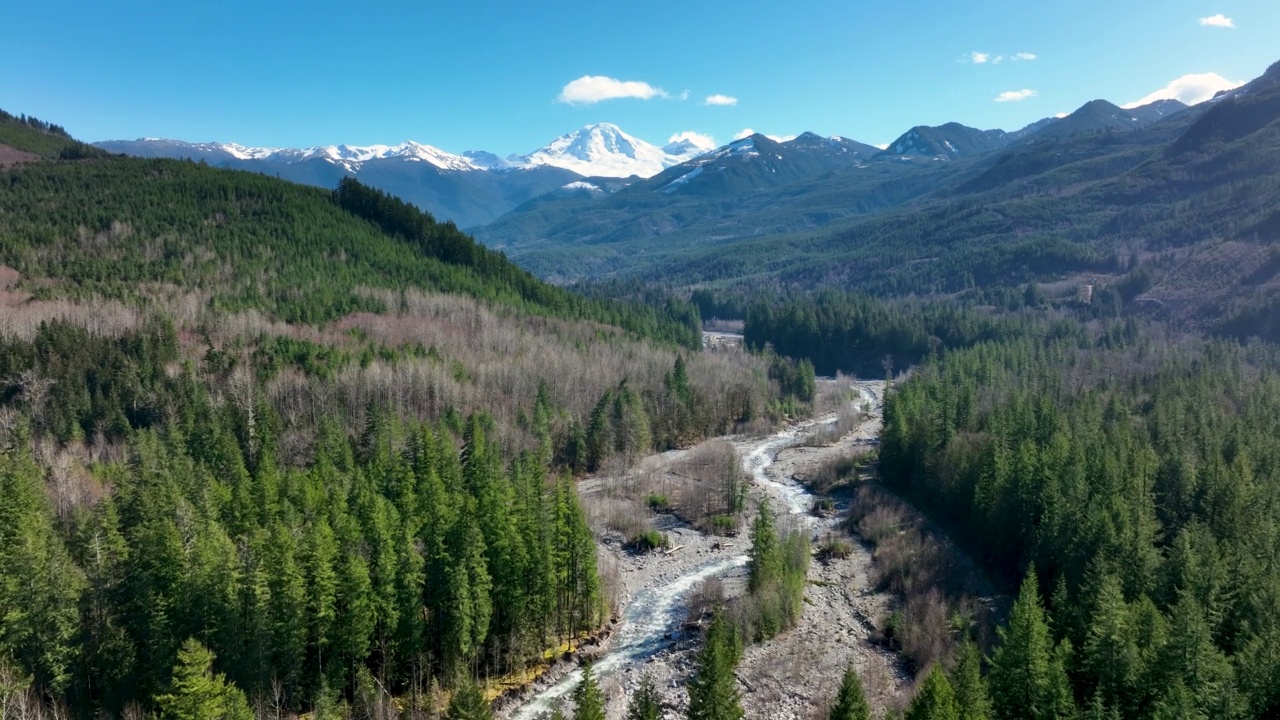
<point>1028,678</point>
<point>713,692</point>
<point>935,699</point>
<point>970,688</point>
<point>198,693</point>
<point>587,699</point>
<point>765,556</point>
<point>851,702</point>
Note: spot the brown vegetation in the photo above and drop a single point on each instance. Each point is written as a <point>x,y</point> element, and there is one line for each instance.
<point>944,597</point>
<point>10,157</point>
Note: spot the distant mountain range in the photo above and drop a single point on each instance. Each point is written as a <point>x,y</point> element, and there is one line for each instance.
<point>471,188</point>
<point>1163,209</point>
<point>759,187</point>
<point>475,188</point>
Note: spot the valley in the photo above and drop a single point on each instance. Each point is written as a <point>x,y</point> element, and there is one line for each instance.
<point>312,427</point>
<point>657,590</point>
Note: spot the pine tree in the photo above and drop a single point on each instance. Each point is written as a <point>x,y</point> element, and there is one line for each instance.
<point>935,700</point>
<point>587,699</point>
<point>765,564</point>
<point>970,688</point>
<point>645,704</point>
<point>197,693</point>
<point>713,692</point>
<point>1110,655</point>
<point>1028,679</point>
<point>851,702</point>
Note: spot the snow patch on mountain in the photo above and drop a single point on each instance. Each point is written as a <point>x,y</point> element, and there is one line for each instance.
<point>582,185</point>
<point>679,182</point>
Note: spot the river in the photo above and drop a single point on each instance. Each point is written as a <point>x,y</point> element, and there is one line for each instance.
<point>654,614</point>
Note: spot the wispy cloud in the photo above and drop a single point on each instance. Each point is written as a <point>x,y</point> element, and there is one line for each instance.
<point>1190,89</point>
<point>1016,95</point>
<point>722,100</point>
<point>986,58</point>
<point>1219,21</point>
<point>748,132</point>
<point>591,89</point>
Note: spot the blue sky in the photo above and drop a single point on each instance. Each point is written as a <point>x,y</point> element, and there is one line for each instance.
<point>500,76</point>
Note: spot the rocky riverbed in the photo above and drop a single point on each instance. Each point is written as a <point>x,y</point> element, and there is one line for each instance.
<point>795,674</point>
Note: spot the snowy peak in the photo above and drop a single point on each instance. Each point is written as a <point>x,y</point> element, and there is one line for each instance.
<point>352,155</point>
<point>601,150</point>
<point>688,147</point>
<point>604,150</point>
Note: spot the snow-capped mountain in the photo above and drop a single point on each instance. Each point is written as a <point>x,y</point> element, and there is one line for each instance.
<point>604,150</point>
<point>350,157</point>
<point>471,188</point>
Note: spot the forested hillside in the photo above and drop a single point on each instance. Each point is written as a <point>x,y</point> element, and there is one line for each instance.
<point>1182,209</point>
<point>1138,478</point>
<point>309,449</point>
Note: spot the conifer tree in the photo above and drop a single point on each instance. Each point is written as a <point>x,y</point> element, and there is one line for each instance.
<point>970,688</point>
<point>1028,679</point>
<point>713,692</point>
<point>1110,655</point>
<point>851,702</point>
<point>587,700</point>
<point>198,693</point>
<point>645,704</point>
<point>935,700</point>
<point>765,564</point>
<point>468,703</point>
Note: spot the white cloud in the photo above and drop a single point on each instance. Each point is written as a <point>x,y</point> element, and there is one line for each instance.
<point>718,99</point>
<point>591,89</point>
<point>699,139</point>
<point>882,146</point>
<point>1060,115</point>
<point>748,132</point>
<point>1219,20</point>
<point>1190,89</point>
<point>1024,56</point>
<point>1015,95</point>
<point>978,58</point>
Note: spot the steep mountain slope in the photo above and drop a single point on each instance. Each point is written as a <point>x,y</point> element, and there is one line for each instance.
<point>1179,217</point>
<point>251,241</point>
<point>752,186</point>
<point>26,137</point>
<point>780,192</point>
<point>949,141</point>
